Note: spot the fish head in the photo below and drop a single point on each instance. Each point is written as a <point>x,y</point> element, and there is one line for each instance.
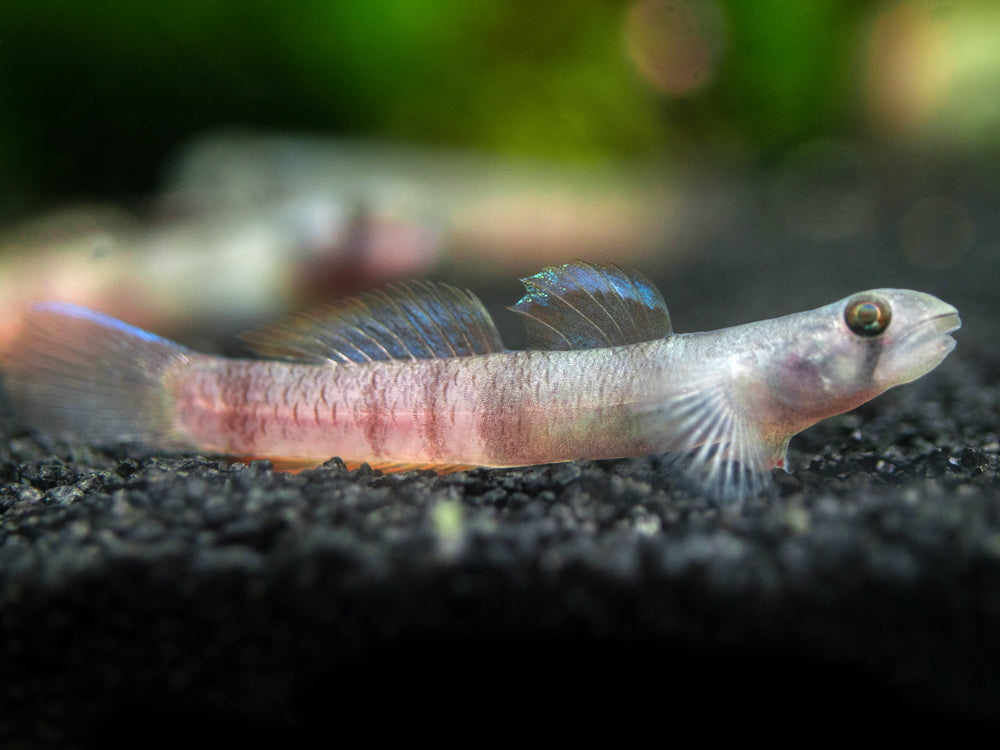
<point>837,357</point>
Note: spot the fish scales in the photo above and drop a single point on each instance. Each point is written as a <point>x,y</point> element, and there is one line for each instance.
<point>488,410</point>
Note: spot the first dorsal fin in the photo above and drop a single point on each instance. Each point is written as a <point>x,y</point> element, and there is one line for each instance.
<point>586,306</point>
<point>411,320</point>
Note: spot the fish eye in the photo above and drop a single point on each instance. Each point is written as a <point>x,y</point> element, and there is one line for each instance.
<point>867,315</point>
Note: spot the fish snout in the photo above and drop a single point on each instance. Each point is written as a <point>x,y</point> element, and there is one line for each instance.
<point>948,322</point>
<point>943,321</point>
<point>923,340</point>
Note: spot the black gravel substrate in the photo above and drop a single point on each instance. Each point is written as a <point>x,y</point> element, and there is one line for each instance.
<point>146,598</point>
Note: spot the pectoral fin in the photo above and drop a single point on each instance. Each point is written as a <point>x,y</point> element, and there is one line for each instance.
<point>714,448</point>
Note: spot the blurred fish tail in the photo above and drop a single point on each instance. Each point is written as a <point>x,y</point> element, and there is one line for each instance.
<point>73,370</point>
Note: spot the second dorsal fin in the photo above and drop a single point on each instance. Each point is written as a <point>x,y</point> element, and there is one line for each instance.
<point>411,320</point>
<point>588,306</point>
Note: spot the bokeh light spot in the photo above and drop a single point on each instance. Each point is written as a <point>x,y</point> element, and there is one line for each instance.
<point>936,232</point>
<point>675,44</point>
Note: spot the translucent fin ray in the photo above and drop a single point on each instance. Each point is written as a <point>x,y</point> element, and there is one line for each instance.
<point>73,370</point>
<point>411,320</point>
<point>586,306</point>
<point>713,449</point>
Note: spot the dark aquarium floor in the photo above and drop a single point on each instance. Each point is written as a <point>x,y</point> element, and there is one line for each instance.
<point>152,596</point>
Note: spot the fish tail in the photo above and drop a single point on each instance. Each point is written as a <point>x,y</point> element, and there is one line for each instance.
<point>76,371</point>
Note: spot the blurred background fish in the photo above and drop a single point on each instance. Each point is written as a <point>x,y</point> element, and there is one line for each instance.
<point>250,225</point>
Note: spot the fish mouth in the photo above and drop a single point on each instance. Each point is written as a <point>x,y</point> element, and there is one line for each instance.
<point>945,324</point>
<point>924,347</point>
<point>950,322</point>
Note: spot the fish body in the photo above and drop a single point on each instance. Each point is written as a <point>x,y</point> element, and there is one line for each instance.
<point>485,410</point>
<point>416,376</point>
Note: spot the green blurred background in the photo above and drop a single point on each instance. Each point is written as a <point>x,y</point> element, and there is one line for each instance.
<point>96,95</point>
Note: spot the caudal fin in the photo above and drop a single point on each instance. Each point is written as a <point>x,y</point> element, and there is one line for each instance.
<point>73,370</point>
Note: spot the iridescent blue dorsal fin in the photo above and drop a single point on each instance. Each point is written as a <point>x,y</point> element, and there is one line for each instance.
<point>411,320</point>
<point>587,306</point>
